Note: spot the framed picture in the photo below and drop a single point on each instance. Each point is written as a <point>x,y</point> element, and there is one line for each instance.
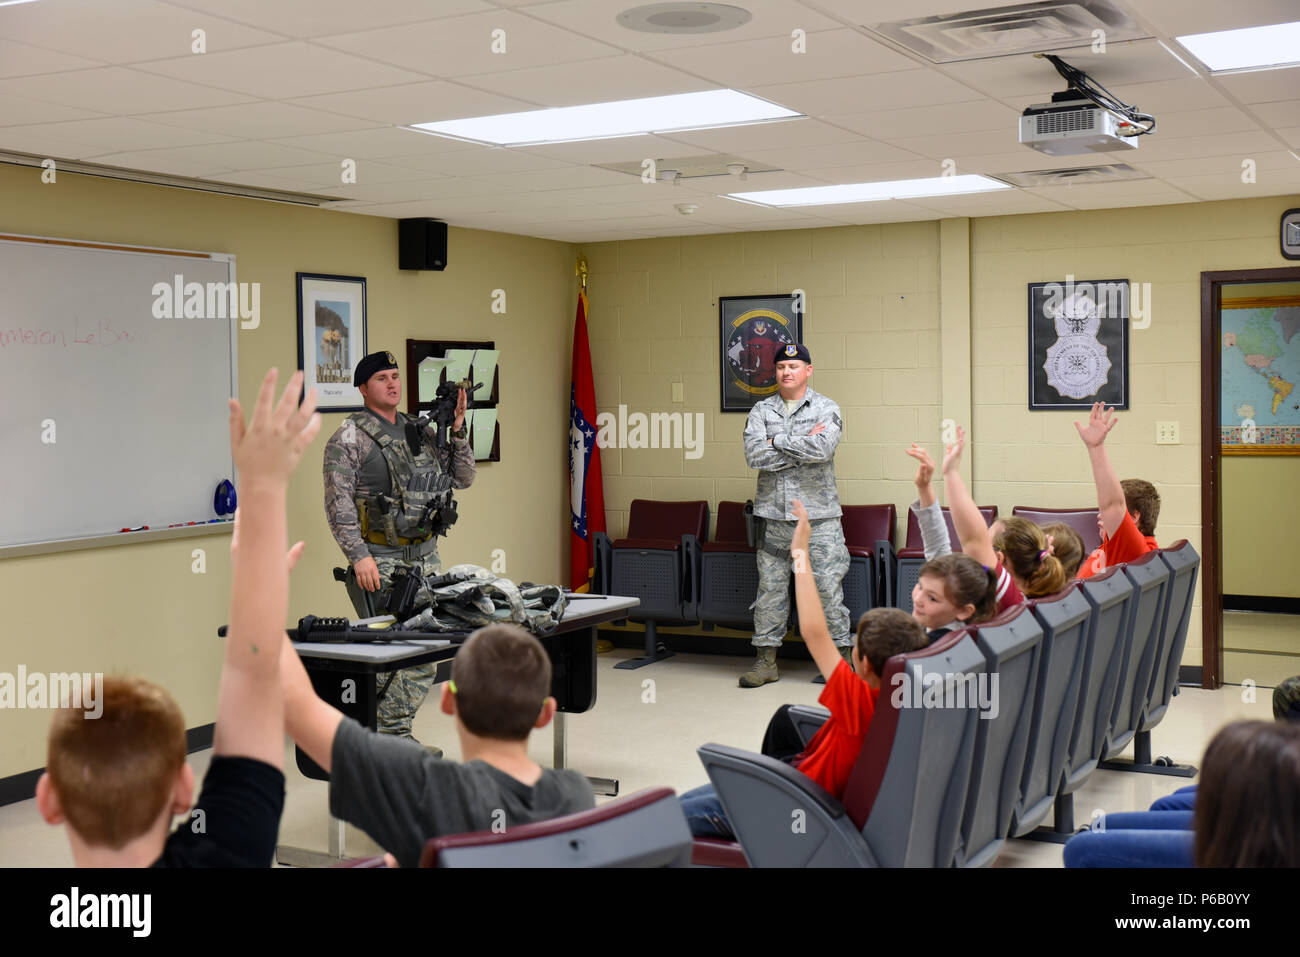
<point>331,338</point>
<point>752,330</point>
<point>1078,344</point>
<point>1259,371</point>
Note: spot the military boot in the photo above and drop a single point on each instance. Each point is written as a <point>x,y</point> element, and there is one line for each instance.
<point>764,670</point>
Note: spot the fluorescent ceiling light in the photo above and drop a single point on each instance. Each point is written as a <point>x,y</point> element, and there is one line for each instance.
<point>593,121</point>
<point>871,192</point>
<point>10,3</point>
<point>1251,48</point>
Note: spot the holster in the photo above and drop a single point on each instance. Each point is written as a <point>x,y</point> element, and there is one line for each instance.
<point>751,523</point>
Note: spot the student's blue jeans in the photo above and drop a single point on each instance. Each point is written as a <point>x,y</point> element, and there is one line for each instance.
<point>1134,839</point>
<point>705,815</point>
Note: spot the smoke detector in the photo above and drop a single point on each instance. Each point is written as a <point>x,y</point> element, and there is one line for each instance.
<point>684,18</point>
<point>686,208</point>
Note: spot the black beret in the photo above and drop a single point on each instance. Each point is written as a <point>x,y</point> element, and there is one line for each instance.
<point>375,362</point>
<point>795,350</point>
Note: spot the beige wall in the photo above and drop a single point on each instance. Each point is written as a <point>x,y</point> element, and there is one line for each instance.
<point>872,326</point>
<point>139,608</point>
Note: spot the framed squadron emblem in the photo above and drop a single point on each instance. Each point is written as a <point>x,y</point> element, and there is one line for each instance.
<point>1078,344</point>
<point>753,332</point>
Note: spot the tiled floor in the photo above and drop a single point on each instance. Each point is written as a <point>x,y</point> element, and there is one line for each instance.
<point>1260,647</point>
<point>644,731</point>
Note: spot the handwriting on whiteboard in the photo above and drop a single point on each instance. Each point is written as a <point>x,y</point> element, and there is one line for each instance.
<point>100,332</point>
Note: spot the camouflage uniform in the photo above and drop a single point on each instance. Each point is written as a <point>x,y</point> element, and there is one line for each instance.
<point>355,468</point>
<point>802,466</point>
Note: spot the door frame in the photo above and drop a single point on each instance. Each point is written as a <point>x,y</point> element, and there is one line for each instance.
<point>1211,460</point>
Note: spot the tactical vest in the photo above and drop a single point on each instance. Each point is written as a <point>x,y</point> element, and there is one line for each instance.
<point>470,596</point>
<point>418,490</point>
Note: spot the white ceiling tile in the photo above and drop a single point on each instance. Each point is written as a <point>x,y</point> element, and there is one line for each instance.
<point>959,146</point>
<point>614,149</point>
<point>257,120</point>
<point>315,18</point>
<point>829,53</point>
<point>478,160</point>
<point>624,77</point>
<point>119,91</point>
<point>901,89</point>
<point>1019,159</point>
<point>19,59</point>
<point>1230,186</point>
<point>1181,17</point>
<point>572,177</point>
<point>282,70</point>
<point>39,142</point>
<point>1262,86</point>
<point>375,143</point>
<point>441,188</point>
<point>917,168</point>
<point>1002,203</point>
<point>1177,124</point>
<point>770,18</point>
<point>123,31</point>
<point>463,46</point>
<point>1279,114</point>
<point>864,152</point>
<point>1106,195</point>
<point>246,154</point>
<point>178,163</point>
<point>1291,135</point>
<point>759,136</point>
<point>117,133</point>
<point>426,102</point>
<point>321,176</point>
<point>926,120</point>
<point>1186,93</point>
<point>1230,165</point>
<point>16,110</point>
<point>1209,143</point>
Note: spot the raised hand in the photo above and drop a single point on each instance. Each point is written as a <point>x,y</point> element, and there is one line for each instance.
<point>1100,421</point>
<point>270,447</point>
<point>461,404</point>
<point>925,468</point>
<point>952,453</point>
<point>802,535</point>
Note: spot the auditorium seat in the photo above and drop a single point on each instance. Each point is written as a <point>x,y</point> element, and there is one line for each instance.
<point>646,829</point>
<point>905,566</point>
<point>1082,520</point>
<point>659,563</point>
<point>1010,644</point>
<point>1183,563</point>
<point>904,800</point>
<point>1150,578</point>
<point>728,571</point>
<point>1065,619</point>
<point>867,530</point>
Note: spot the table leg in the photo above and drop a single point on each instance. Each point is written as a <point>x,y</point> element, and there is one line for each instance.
<point>603,786</point>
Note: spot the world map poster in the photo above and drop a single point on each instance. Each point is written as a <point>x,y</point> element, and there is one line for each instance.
<point>1260,377</point>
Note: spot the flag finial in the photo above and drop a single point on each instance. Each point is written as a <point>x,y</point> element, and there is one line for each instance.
<point>580,270</point>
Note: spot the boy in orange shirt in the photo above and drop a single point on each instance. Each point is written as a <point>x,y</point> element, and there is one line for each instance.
<point>1127,510</point>
<point>851,689</point>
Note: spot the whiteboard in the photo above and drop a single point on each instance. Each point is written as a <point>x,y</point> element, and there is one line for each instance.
<point>111,418</point>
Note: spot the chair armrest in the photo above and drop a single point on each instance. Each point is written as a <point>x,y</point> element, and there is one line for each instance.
<point>887,562</point>
<point>808,720</point>
<point>691,562</point>
<point>604,556</point>
<point>780,817</point>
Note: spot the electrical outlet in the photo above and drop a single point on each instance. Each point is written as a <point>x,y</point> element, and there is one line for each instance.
<point>1167,433</point>
<point>677,392</point>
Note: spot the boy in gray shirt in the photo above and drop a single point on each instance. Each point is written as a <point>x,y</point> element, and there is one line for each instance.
<point>400,794</point>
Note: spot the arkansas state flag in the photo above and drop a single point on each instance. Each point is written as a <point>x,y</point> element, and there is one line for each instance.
<point>586,490</point>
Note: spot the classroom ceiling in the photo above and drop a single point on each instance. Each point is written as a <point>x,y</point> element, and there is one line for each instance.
<point>289,89</point>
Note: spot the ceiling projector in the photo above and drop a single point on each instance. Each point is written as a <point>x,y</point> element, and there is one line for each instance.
<point>1068,127</point>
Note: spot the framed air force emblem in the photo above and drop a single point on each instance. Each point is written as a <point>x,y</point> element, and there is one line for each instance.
<point>1078,344</point>
<point>754,334</point>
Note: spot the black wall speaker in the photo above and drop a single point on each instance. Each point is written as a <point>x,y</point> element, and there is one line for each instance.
<point>421,244</point>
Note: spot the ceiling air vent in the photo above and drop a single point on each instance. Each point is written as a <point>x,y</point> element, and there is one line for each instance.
<point>692,167</point>
<point>1070,175</point>
<point>1006,31</point>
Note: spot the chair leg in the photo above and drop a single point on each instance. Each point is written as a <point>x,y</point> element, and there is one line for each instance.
<point>653,651</point>
<point>1143,764</point>
<point>1062,828</point>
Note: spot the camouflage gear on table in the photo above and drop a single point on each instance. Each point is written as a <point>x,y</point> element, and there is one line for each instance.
<point>356,467</point>
<point>829,561</point>
<point>482,598</point>
<point>796,464</point>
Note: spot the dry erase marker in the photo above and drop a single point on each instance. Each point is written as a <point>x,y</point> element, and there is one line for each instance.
<point>139,528</point>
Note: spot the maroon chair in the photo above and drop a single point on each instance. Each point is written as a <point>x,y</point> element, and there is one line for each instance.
<point>869,535</point>
<point>658,563</point>
<point>1082,520</point>
<point>907,564</point>
<point>646,829</point>
<point>728,572</point>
